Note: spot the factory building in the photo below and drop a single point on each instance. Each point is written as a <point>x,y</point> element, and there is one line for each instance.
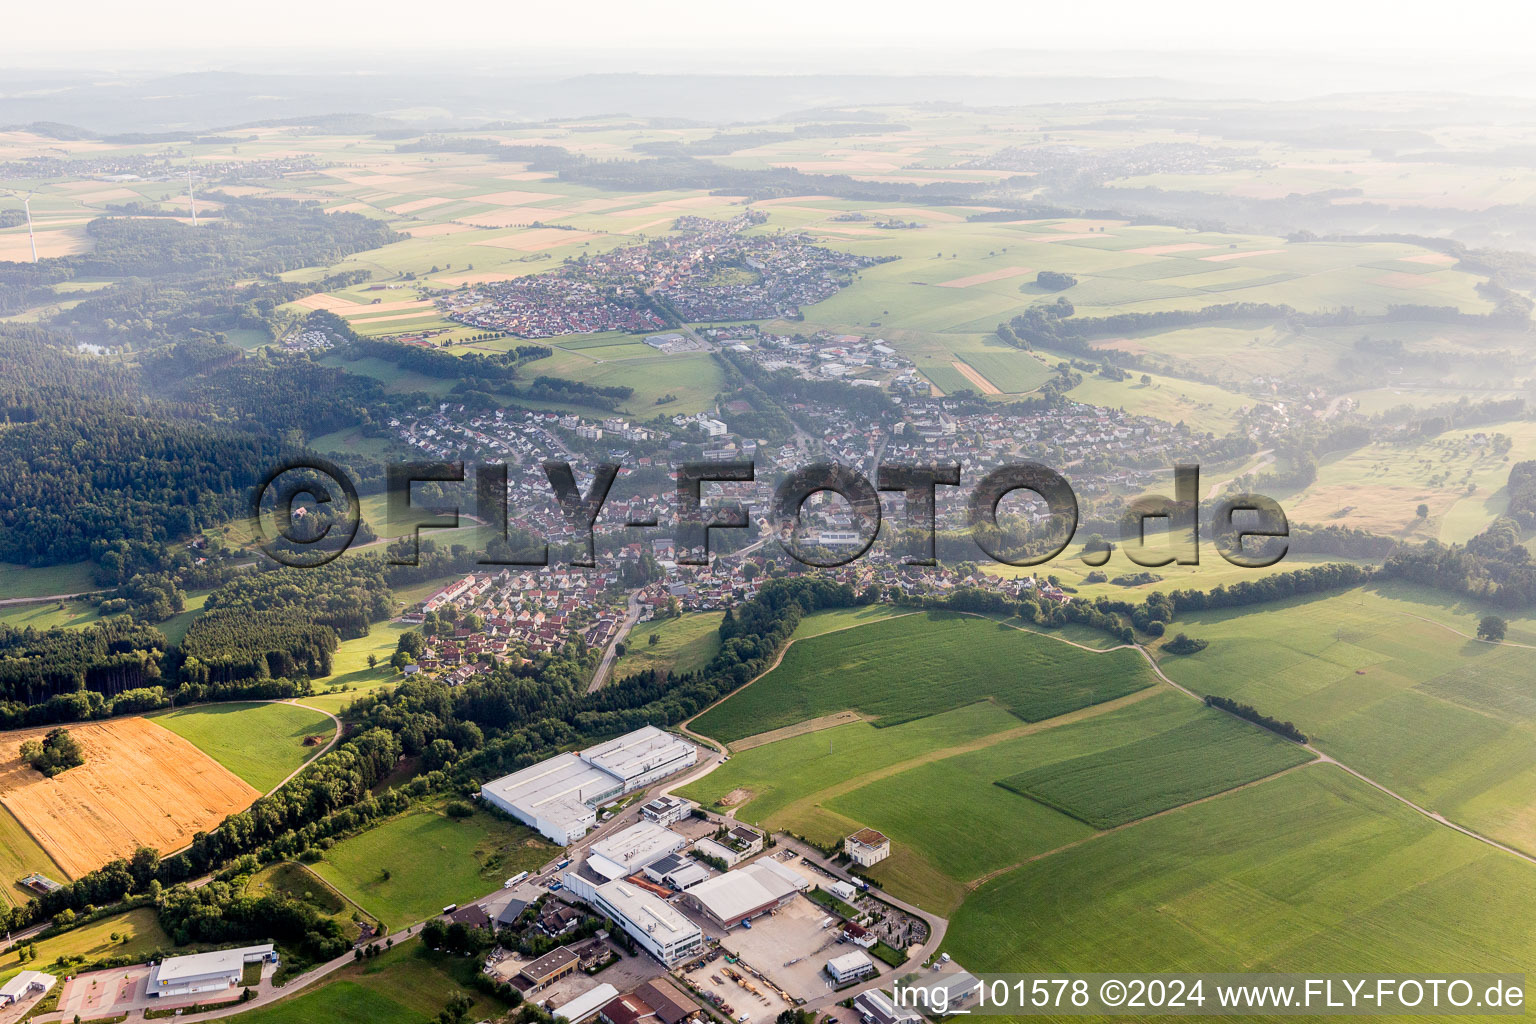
<point>633,849</point>
<point>199,973</point>
<point>666,810</point>
<point>850,967</point>
<point>679,872</point>
<point>737,896</point>
<point>559,797</point>
<point>653,923</point>
<point>641,757</point>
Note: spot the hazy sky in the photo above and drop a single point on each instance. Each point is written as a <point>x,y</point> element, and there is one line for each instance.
<point>521,30</point>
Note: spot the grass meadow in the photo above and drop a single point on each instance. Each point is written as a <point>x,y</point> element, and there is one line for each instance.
<point>406,984</point>
<point>1314,871</point>
<point>1447,721</point>
<point>409,867</point>
<point>260,743</point>
<point>683,644</point>
<point>137,931</point>
<point>949,660</point>
<point>20,856</point>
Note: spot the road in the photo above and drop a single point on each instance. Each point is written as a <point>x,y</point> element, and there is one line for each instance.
<point>49,597</point>
<point>631,616</point>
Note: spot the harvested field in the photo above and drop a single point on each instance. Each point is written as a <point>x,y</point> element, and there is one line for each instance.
<point>15,248</point>
<point>367,308</point>
<point>330,302</point>
<point>985,386</point>
<point>418,204</point>
<point>141,785</point>
<point>1438,259</point>
<point>655,224</point>
<point>991,275</point>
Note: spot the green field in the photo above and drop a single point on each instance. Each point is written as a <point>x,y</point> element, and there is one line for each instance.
<point>1012,371</point>
<point>832,619</point>
<point>950,659</point>
<point>407,984</point>
<point>137,931</point>
<point>1314,871</point>
<point>1448,722</point>
<point>261,743</point>
<point>432,860</point>
<point>1209,754</point>
<point>684,644</point>
<point>46,580</point>
<point>20,856</point>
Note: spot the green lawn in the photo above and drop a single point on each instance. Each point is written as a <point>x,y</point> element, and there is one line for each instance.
<point>432,860</point>
<point>1448,722</point>
<point>20,856</point>
<point>941,660</point>
<point>404,985</point>
<point>1314,871</point>
<point>683,644</point>
<point>261,743</point>
<point>45,580</point>
<point>1210,753</point>
<point>94,941</point>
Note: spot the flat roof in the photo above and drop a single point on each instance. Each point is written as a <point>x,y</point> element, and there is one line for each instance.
<point>196,965</point>
<point>560,789</point>
<point>556,959</point>
<point>636,753</point>
<point>741,892</point>
<point>869,837</point>
<point>586,1004</point>
<point>849,962</point>
<point>640,844</point>
<point>651,914</point>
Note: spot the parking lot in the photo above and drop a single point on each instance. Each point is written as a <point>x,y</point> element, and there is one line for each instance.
<point>782,952</point>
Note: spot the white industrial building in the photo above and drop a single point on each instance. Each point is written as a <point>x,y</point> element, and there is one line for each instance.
<point>736,896</point>
<point>875,1007</point>
<point>586,1004</point>
<point>633,849</point>
<point>559,797</point>
<point>666,810</point>
<point>643,756</point>
<point>655,924</point>
<point>204,972</point>
<point>679,872</point>
<point>850,967</point>
<point>25,985</point>
<point>866,847</point>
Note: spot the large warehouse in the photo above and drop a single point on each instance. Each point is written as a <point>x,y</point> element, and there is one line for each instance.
<point>741,895</point>
<point>634,849</point>
<point>559,797</point>
<point>651,921</point>
<point>218,971</point>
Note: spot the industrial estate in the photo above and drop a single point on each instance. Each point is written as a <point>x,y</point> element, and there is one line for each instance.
<point>689,759</point>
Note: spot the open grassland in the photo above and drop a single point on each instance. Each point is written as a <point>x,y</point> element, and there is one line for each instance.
<point>141,785</point>
<point>683,644</point>
<point>137,931</point>
<point>947,660</point>
<point>20,856</point>
<point>410,867</point>
<point>350,676</point>
<point>830,619</point>
<point>1459,475</point>
<point>48,614</point>
<point>1447,721</point>
<point>1211,753</point>
<point>45,580</point>
<point>404,985</point>
<point>261,743</point>
<point>1313,871</point>
<point>1012,371</point>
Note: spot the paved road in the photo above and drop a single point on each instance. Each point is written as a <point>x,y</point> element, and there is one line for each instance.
<point>50,597</point>
<point>631,616</point>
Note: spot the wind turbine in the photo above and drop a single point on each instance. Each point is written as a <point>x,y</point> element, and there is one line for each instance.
<point>26,204</point>
<point>192,199</point>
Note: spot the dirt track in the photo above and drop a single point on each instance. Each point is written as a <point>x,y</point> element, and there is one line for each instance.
<point>141,785</point>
